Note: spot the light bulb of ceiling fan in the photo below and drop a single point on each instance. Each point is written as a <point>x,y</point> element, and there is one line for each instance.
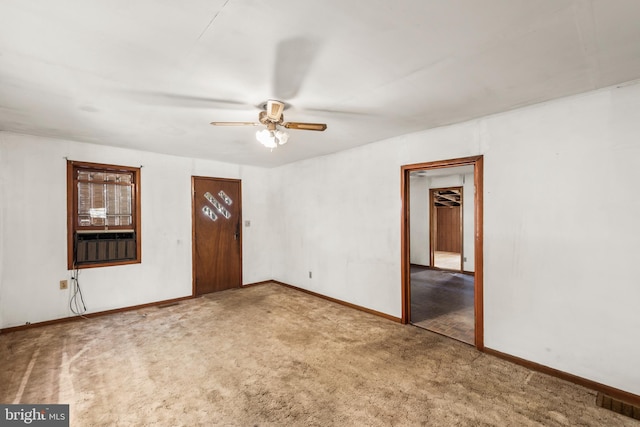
<point>272,141</point>
<point>282,137</point>
<point>266,138</point>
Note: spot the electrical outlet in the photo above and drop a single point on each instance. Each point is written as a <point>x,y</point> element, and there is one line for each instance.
<point>310,275</point>
<point>64,284</point>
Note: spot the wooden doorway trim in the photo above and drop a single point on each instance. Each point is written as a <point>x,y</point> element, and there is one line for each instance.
<point>478,171</point>
<point>433,225</point>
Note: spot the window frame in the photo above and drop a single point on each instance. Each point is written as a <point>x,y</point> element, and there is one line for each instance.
<point>72,212</point>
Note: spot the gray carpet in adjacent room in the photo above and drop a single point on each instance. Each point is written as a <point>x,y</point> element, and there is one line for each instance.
<point>443,302</point>
<point>270,355</point>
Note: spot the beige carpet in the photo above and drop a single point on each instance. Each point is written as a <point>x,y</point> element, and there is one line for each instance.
<point>269,355</point>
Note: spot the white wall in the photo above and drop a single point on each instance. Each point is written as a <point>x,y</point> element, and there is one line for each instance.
<point>33,224</point>
<point>419,220</point>
<point>468,224</point>
<point>561,227</point>
<point>556,292</point>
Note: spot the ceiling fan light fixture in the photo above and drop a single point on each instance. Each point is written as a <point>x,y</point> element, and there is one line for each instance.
<point>275,131</point>
<point>266,138</point>
<point>271,139</point>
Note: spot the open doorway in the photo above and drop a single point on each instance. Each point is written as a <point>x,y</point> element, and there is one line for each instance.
<point>443,295</point>
<point>446,221</point>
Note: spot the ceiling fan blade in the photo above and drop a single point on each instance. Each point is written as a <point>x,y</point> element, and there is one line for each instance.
<point>293,60</point>
<point>305,126</point>
<point>235,124</point>
<point>342,113</point>
<point>189,101</point>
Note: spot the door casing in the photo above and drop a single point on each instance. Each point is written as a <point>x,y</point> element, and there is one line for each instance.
<point>433,226</point>
<point>478,171</point>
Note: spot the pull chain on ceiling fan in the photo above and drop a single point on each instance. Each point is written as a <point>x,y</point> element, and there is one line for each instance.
<point>273,118</point>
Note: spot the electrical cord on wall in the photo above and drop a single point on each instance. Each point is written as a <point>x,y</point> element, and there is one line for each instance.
<point>76,302</point>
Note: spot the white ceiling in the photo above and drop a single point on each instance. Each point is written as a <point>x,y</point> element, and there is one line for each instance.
<point>152,74</point>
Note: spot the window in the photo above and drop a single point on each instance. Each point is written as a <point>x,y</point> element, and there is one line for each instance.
<point>103,214</point>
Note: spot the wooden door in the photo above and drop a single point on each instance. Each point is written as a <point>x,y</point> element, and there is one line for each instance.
<point>448,225</point>
<point>217,234</point>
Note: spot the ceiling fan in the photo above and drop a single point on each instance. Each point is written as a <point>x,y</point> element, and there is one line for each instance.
<point>273,119</point>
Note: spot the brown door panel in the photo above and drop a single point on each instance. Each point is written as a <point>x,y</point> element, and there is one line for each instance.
<point>449,226</point>
<point>217,247</point>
